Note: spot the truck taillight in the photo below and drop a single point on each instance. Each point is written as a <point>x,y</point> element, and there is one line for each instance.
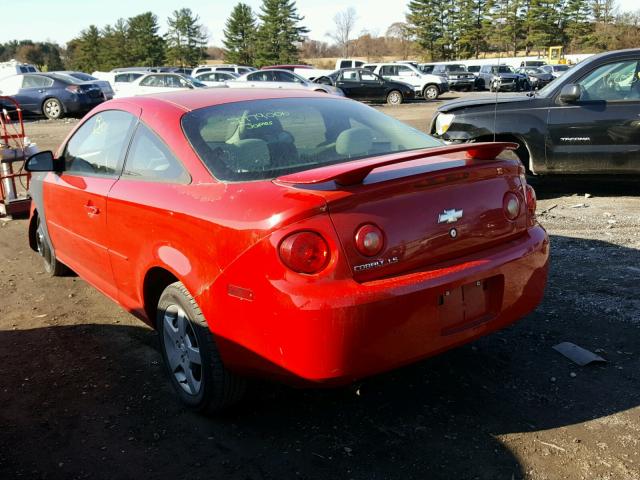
<point>305,252</point>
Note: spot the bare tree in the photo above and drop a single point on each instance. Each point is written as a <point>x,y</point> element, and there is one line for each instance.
<point>345,22</point>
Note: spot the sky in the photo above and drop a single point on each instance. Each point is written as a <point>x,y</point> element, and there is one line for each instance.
<point>61,20</point>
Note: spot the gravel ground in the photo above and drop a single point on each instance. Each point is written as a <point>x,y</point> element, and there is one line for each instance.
<point>83,394</point>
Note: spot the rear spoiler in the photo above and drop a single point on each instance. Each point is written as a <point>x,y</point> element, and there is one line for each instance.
<point>353,173</point>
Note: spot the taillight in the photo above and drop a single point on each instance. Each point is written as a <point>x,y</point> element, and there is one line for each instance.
<point>532,202</point>
<point>73,89</point>
<point>511,205</point>
<point>305,252</point>
<point>369,240</point>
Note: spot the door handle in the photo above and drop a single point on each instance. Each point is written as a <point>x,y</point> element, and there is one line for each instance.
<point>91,209</point>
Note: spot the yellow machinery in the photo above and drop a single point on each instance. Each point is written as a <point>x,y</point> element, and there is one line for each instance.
<point>556,56</point>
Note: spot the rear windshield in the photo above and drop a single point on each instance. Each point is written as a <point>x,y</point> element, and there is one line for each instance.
<point>263,139</point>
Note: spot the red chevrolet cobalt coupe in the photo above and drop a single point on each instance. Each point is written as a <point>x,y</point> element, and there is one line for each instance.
<point>293,235</point>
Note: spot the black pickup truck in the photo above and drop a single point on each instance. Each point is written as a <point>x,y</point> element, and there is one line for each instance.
<point>587,121</point>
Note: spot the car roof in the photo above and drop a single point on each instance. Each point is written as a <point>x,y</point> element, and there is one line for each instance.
<point>188,100</point>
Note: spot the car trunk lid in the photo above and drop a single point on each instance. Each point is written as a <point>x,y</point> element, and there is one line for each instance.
<point>433,205</point>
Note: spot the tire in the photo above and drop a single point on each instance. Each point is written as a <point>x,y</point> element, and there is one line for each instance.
<point>394,97</point>
<point>185,340</point>
<point>52,109</point>
<point>52,266</point>
<point>430,92</point>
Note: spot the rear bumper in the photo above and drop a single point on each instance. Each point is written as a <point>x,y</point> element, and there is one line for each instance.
<point>82,103</point>
<point>343,330</point>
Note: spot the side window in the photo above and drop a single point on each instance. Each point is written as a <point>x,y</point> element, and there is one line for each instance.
<point>349,76</point>
<point>150,159</point>
<point>345,63</point>
<point>367,76</point>
<point>613,81</point>
<point>98,145</point>
<point>404,70</point>
<point>389,70</point>
<point>153,81</point>
<point>121,78</point>
<point>242,71</point>
<point>284,77</point>
<point>35,81</point>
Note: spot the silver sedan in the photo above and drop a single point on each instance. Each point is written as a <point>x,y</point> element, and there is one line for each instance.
<point>276,78</point>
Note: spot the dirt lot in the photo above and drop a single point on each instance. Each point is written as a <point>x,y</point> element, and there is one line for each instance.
<point>83,394</point>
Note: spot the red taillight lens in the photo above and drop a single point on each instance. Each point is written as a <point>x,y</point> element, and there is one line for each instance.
<point>73,88</point>
<point>511,205</point>
<point>369,240</point>
<point>532,202</point>
<point>305,252</point>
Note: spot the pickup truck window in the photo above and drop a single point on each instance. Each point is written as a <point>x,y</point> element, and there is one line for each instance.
<point>613,81</point>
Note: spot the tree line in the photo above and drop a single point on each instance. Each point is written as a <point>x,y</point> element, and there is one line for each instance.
<point>433,30</point>
<point>453,29</point>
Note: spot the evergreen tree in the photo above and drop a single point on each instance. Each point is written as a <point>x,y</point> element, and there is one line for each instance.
<point>146,47</point>
<point>114,51</point>
<point>280,33</point>
<point>542,24</point>
<point>472,25</point>
<point>507,34</point>
<point>86,50</point>
<point>186,39</point>
<point>577,23</point>
<point>239,35</point>
<point>425,24</point>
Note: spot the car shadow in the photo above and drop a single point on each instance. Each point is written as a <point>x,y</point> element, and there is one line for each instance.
<point>91,400</point>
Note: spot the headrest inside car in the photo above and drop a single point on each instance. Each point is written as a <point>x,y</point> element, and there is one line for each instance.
<point>354,142</point>
<point>254,152</point>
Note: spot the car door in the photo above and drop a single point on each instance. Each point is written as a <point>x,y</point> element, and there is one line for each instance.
<point>143,200</point>
<point>373,85</point>
<point>75,200</point>
<point>599,133</point>
<point>33,91</point>
<point>349,82</point>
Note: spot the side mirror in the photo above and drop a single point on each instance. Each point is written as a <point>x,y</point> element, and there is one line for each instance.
<point>570,93</point>
<point>43,162</point>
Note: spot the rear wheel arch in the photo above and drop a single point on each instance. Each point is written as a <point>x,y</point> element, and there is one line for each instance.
<point>155,281</point>
<point>522,152</point>
<point>33,227</point>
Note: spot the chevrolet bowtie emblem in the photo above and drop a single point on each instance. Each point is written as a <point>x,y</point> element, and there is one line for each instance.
<point>450,216</point>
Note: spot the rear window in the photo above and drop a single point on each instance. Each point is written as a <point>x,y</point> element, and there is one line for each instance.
<point>263,139</point>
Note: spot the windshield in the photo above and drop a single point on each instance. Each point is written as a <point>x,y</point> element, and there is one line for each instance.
<point>263,139</point>
<point>456,68</point>
<point>501,69</point>
<point>561,68</point>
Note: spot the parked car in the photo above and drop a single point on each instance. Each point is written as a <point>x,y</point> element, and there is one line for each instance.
<point>280,79</point>
<point>239,69</point>
<point>105,86</point>
<point>118,77</point>
<point>50,94</point>
<point>362,84</point>
<point>501,78</point>
<point>13,67</point>
<point>348,63</point>
<point>296,236</point>
<point>583,122</point>
<point>532,63</point>
<point>215,79</point>
<point>156,83</point>
<point>556,70</point>
<point>424,85</point>
<point>291,68</point>
<point>536,77</point>
<point>181,70</point>
<point>456,74</point>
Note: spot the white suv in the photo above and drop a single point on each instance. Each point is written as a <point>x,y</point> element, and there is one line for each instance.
<point>239,69</point>
<point>425,85</point>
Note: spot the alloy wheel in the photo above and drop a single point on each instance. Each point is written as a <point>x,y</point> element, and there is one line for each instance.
<point>183,352</point>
